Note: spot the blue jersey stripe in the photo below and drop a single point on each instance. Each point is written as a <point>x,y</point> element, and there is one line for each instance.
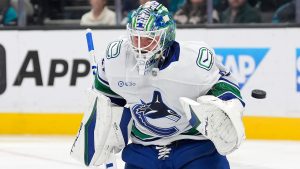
<point>221,78</point>
<point>229,95</point>
<point>126,117</point>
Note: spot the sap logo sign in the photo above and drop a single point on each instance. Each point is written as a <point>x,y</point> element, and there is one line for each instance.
<point>241,61</point>
<point>298,69</point>
<point>36,74</point>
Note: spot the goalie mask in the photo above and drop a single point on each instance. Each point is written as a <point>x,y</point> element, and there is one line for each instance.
<point>151,31</point>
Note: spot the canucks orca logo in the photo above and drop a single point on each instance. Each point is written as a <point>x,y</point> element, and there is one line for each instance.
<point>242,61</point>
<point>154,114</point>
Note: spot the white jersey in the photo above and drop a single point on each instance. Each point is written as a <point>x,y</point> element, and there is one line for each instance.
<point>190,70</point>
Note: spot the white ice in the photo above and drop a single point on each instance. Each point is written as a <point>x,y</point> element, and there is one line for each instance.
<point>53,153</point>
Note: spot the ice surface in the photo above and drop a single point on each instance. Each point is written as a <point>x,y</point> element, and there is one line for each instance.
<point>51,152</point>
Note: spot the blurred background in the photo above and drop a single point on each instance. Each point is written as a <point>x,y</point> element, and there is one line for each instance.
<point>45,69</point>
<point>116,12</point>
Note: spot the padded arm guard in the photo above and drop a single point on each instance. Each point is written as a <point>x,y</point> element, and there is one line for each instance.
<point>219,121</point>
<point>99,135</point>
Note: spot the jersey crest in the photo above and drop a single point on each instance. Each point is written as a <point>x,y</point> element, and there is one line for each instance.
<point>155,110</point>
<point>205,58</point>
<point>113,49</point>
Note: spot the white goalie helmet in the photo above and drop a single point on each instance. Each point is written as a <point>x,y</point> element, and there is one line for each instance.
<point>151,30</point>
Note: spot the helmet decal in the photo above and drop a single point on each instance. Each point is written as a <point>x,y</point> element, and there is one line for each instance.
<point>150,21</point>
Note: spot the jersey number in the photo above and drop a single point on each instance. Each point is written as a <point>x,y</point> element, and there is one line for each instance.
<point>205,58</point>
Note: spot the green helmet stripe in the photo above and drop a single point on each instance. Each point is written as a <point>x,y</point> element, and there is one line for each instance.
<point>154,16</point>
<point>160,6</point>
<point>134,22</point>
<point>149,23</point>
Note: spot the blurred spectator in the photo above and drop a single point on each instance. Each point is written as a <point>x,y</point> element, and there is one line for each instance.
<point>129,5</point>
<point>220,5</point>
<point>194,12</point>
<point>267,5</point>
<point>285,13</point>
<point>239,11</point>
<point>99,14</point>
<point>267,8</point>
<point>8,13</point>
<point>27,6</point>
<point>175,5</point>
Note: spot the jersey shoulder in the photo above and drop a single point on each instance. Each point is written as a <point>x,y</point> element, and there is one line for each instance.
<point>198,55</point>
<point>196,64</point>
<point>116,48</point>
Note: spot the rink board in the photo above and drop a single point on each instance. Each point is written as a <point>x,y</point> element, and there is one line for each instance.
<point>274,128</point>
<point>43,76</point>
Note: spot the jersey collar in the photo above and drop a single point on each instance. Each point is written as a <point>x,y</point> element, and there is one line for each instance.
<point>171,55</point>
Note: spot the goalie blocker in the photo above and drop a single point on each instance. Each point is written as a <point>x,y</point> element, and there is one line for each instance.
<point>219,121</point>
<point>100,134</point>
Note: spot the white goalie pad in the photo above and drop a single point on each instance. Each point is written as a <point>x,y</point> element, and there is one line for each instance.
<point>219,121</point>
<point>99,135</point>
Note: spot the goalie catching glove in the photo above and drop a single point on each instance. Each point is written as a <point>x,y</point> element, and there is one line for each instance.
<point>219,121</point>
<point>99,135</point>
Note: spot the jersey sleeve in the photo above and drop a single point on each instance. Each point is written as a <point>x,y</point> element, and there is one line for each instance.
<point>226,88</point>
<point>102,85</point>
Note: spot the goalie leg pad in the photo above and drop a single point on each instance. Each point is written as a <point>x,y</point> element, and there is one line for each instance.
<point>99,134</point>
